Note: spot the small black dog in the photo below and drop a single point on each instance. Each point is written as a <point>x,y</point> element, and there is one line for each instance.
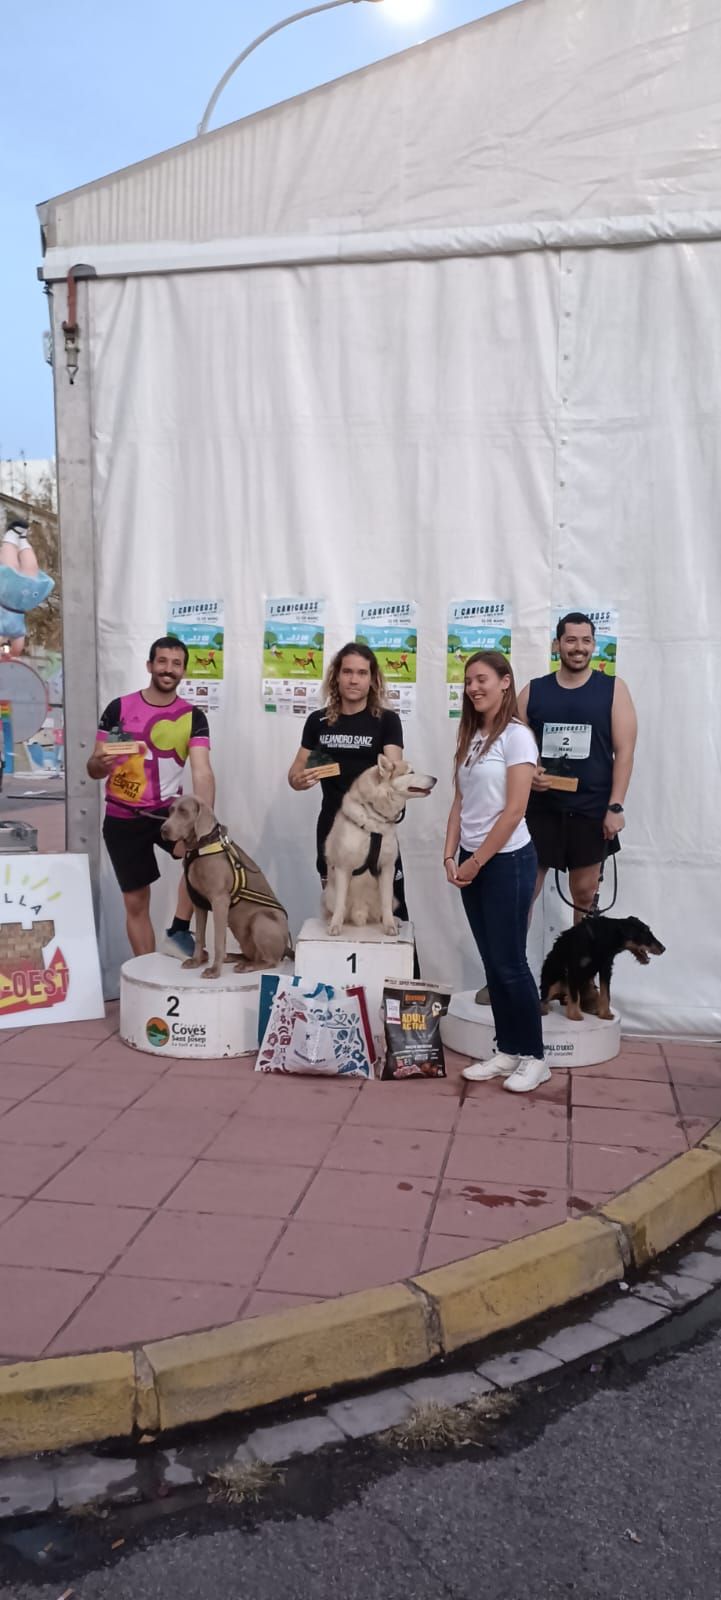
<point>588,950</point>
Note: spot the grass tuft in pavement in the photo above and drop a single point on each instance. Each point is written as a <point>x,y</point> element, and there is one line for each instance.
<point>235,1485</point>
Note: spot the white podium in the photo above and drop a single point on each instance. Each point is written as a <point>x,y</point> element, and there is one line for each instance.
<point>171,1012</point>
<point>469,1029</point>
<point>358,955</point>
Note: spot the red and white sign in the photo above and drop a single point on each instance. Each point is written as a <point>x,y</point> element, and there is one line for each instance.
<point>49,967</point>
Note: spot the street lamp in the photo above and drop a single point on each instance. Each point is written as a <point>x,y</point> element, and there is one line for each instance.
<point>311,11</point>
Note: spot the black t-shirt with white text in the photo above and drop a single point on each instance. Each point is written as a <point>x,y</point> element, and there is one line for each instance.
<point>355,742</point>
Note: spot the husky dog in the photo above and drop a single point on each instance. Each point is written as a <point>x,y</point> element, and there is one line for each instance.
<point>362,849</point>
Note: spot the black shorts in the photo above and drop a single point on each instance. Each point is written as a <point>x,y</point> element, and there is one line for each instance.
<point>568,839</point>
<point>130,843</point>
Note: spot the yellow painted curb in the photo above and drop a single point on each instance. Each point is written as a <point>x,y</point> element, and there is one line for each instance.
<point>52,1404</point>
<point>272,1358</point>
<point>489,1293</point>
<point>47,1405</point>
<point>662,1208</point>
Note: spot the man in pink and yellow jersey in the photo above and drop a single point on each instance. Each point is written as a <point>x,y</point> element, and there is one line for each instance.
<point>140,787</point>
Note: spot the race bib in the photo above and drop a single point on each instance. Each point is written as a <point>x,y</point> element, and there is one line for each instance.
<point>570,741</point>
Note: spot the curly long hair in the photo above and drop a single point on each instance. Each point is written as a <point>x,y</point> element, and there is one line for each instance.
<point>377,693</point>
<point>471,721</point>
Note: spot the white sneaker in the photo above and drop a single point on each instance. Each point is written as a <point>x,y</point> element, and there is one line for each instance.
<point>529,1074</point>
<point>499,1066</point>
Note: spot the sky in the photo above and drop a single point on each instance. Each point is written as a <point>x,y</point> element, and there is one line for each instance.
<point>89,88</point>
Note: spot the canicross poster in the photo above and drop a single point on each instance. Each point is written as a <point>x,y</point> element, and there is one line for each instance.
<point>200,625</point>
<point>389,628</point>
<point>473,625</point>
<point>605,620</point>
<point>293,643</point>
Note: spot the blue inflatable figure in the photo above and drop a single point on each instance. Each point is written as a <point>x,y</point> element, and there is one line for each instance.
<point>22,585</point>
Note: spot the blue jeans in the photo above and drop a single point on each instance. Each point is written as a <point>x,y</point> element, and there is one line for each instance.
<point>497,904</point>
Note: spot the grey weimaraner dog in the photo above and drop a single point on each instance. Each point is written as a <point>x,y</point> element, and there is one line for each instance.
<point>221,878</point>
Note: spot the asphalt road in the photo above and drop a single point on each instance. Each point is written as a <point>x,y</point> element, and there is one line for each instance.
<point>605,1488</point>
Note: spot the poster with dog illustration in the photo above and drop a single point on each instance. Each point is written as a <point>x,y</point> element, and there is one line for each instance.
<point>605,622</point>
<point>201,627</point>
<point>389,628</point>
<point>473,625</point>
<point>293,645</point>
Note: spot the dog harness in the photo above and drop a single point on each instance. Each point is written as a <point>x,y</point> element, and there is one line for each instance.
<point>219,843</point>
<point>374,849</point>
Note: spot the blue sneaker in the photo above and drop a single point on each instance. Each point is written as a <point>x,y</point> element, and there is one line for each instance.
<point>180,944</point>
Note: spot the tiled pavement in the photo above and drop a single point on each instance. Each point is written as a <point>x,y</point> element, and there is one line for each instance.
<point>141,1198</point>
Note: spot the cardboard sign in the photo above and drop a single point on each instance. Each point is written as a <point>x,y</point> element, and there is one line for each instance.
<point>49,967</point>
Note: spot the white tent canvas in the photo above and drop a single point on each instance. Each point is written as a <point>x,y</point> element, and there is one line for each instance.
<point>446,327</point>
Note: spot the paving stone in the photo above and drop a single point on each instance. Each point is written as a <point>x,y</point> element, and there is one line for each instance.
<point>517,1367</point>
<point>299,1438</point>
<point>447,1389</point>
<point>701,1264</point>
<point>629,1316</point>
<point>92,1478</point>
<point>25,1488</point>
<point>242,1457</point>
<point>713,1240</point>
<point>371,1413</point>
<point>673,1290</point>
<point>579,1340</point>
<point>176,1474</point>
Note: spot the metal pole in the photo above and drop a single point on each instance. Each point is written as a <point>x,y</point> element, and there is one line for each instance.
<point>311,11</point>
<point>77,556</point>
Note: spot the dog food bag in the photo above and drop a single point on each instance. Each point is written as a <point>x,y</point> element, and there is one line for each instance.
<point>412,1013</point>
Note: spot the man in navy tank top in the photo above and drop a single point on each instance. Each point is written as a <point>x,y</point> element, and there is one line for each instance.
<point>585,728</point>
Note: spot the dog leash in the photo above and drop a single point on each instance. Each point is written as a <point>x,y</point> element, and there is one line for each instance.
<point>594,910</point>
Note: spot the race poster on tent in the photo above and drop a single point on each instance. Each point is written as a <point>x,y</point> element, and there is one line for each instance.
<point>389,628</point>
<point>200,624</point>
<point>293,643</point>
<point>473,625</point>
<point>605,621</point>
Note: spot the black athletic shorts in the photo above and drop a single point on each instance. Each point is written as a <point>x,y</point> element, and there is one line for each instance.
<point>130,843</point>
<point>568,839</point>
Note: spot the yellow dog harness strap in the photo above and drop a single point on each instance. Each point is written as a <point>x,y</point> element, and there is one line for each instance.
<point>218,843</point>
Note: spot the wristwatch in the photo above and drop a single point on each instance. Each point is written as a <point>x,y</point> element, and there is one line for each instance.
<point>615,808</point>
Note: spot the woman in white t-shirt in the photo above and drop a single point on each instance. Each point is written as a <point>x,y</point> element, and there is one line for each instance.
<point>496,758</point>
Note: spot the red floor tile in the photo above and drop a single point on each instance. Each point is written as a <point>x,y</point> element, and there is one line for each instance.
<point>6,1105</point>
<point>200,1249</point>
<point>234,1068</point>
<point>222,1095</point>
<point>501,1114</point>
<point>76,1086</point>
<point>183,1132</point>
<point>368,1199</point>
<point>301,1144</point>
<point>124,1311</point>
<point>622,1095</point>
<point>443,1248</point>
<point>265,1302</point>
<point>699,1100</point>
<point>404,1105</point>
<point>118,1178</point>
<point>269,1190</point>
<point>649,1069</point>
<point>34,1306</point>
<point>20,1082</point>
<point>509,1161</point>
<point>706,1071</point>
<point>7,1207</point>
<point>606,1170</point>
<point>74,1238</point>
<point>276,1094</point>
<point>496,1211</point>
<point>40,1047</point>
<point>391,1150</point>
<point>26,1168</point>
<point>646,1047</point>
<point>95,1030</point>
<point>696,1128</point>
<point>327,1259</point>
<point>112,1054</point>
<point>580,1204</point>
<point>31,1123</point>
<point>644,1130</point>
